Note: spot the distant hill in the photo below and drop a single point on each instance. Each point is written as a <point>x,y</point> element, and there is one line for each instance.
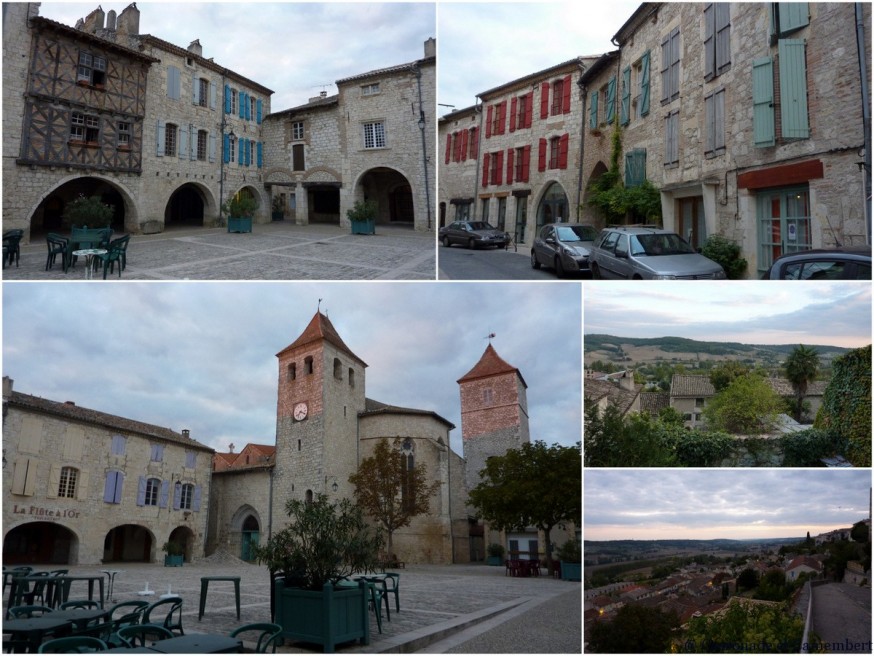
<point>703,545</point>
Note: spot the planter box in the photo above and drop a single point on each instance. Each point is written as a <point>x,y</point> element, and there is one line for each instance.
<point>494,561</point>
<point>240,224</point>
<point>363,227</point>
<point>173,561</point>
<point>326,618</point>
<point>571,571</point>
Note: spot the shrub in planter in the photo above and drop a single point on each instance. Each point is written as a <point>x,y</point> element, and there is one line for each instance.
<point>363,217</point>
<point>495,554</point>
<point>239,210</point>
<point>88,211</point>
<point>571,556</point>
<point>175,554</point>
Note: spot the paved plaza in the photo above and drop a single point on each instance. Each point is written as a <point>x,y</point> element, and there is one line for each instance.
<point>272,251</point>
<point>458,608</point>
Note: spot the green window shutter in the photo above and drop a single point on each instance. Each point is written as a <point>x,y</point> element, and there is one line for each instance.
<point>793,89</point>
<point>793,16</point>
<point>593,110</point>
<point>625,111</point>
<point>611,101</point>
<point>635,167</point>
<point>644,84</point>
<point>763,102</point>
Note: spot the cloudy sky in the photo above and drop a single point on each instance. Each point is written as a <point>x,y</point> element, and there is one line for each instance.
<point>752,312</point>
<point>483,45</point>
<point>295,49</point>
<point>201,356</point>
<point>732,504</point>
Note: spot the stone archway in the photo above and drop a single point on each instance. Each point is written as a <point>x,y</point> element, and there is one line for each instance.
<point>553,206</point>
<point>48,214</point>
<point>245,532</point>
<point>129,543</point>
<point>184,536</point>
<point>392,192</point>
<point>40,542</point>
<point>592,214</point>
<point>186,207</point>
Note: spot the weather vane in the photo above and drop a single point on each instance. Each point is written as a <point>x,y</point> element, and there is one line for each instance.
<point>490,337</point>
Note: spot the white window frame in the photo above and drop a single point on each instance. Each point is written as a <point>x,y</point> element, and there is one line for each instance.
<point>374,134</point>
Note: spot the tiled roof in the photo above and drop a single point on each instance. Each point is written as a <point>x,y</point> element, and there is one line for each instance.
<point>372,407</point>
<point>320,327</point>
<point>400,68</point>
<point>80,35</point>
<point>653,402</point>
<point>595,390</point>
<point>74,412</point>
<point>314,103</point>
<point>490,364</point>
<point>784,388</point>
<point>577,62</point>
<point>691,385</point>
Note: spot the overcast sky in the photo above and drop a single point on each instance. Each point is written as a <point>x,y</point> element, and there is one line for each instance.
<point>483,45</point>
<point>201,356</point>
<point>751,312</point>
<point>733,504</point>
<point>295,49</point>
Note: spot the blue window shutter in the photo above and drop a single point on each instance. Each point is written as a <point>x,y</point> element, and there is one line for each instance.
<point>195,89</point>
<point>259,147</point>
<point>226,149</point>
<point>183,142</point>
<point>177,495</point>
<point>119,484</point>
<point>195,503</point>
<point>635,167</point>
<point>227,99</point>
<point>165,494</point>
<point>644,84</point>
<point>247,155</point>
<point>141,491</point>
<point>593,110</point>
<point>763,102</point>
<point>258,110</point>
<point>625,114</point>
<point>611,101</point>
<point>793,89</point>
<point>240,143</point>
<point>159,133</point>
<point>241,104</point>
<point>709,41</point>
<point>118,444</point>
<point>109,487</point>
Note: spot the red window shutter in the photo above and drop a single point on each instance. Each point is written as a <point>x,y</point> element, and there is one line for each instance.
<point>499,166</point>
<point>464,145</point>
<point>544,100</point>
<point>562,151</point>
<point>529,108</point>
<point>448,147</point>
<point>526,161</point>
<point>513,104</point>
<point>566,95</point>
<point>541,156</point>
<point>502,118</point>
<point>486,170</point>
<point>509,166</point>
<point>474,143</point>
<point>489,121</point>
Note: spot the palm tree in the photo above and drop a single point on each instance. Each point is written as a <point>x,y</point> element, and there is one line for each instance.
<point>801,367</point>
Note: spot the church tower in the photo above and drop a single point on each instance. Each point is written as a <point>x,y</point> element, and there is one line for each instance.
<point>494,412</point>
<point>320,393</point>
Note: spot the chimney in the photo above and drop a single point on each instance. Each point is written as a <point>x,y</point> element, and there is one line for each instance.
<point>94,21</point>
<point>195,48</point>
<point>431,48</point>
<point>111,20</point>
<point>231,447</point>
<point>128,23</point>
<point>73,403</point>
<point>7,387</point>
<point>627,380</point>
<point>186,433</point>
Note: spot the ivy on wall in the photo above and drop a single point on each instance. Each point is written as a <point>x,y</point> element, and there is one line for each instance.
<point>846,404</point>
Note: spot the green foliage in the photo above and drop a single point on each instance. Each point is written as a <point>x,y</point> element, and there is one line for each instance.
<point>325,542</point>
<point>241,205</point>
<point>727,254</point>
<point>703,449</point>
<point>88,210</point>
<point>746,628</point>
<point>570,552</point>
<point>172,548</point>
<point>801,367</point>
<point>670,416</point>
<point>362,211</point>
<point>496,550</point>
<point>725,372</point>
<point>634,630</point>
<point>747,406</point>
<point>773,587</point>
<point>846,404</point>
<point>859,532</point>
<point>807,448</point>
<point>747,579</point>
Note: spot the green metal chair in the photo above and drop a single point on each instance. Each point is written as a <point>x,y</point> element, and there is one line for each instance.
<point>21,612</point>
<point>72,645</point>
<point>138,635</point>
<point>57,245</point>
<point>117,252</point>
<point>79,603</point>
<point>268,634</point>
<point>172,606</point>
<point>12,245</point>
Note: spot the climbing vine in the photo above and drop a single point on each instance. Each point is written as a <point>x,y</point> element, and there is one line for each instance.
<point>846,404</point>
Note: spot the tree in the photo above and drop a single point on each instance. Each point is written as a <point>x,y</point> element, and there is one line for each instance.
<point>389,491</point>
<point>724,373</point>
<point>634,630</point>
<point>746,628</point>
<point>747,579</point>
<point>801,367</point>
<point>534,485</point>
<point>748,405</point>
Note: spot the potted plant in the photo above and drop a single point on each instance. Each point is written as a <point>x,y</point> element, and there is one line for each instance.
<point>277,210</point>
<point>571,556</point>
<point>325,542</point>
<point>363,217</point>
<point>175,554</point>
<point>88,211</point>
<point>239,211</point>
<point>495,554</point>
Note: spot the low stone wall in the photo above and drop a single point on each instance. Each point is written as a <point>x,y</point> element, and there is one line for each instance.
<point>755,451</point>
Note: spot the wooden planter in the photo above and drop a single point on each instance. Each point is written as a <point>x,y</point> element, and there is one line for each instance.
<point>364,227</point>
<point>173,561</point>
<point>240,224</point>
<point>326,618</point>
<point>494,561</point>
<point>571,571</point>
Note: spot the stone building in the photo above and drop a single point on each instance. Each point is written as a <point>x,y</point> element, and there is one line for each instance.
<point>81,487</point>
<point>459,165</point>
<point>373,140</point>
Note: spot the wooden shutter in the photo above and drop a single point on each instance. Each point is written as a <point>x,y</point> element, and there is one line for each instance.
<point>709,41</point>
<point>489,113</point>
<point>644,84</point>
<point>499,167</point>
<point>474,143</point>
<point>241,105</point>
<point>165,494</point>
<point>212,94</point>
<point>259,151</point>
<point>54,482</point>
<point>610,101</point>
<point>212,146</point>
<point>227,99</point>
<point>763,102</point>
<point>177,495</point>
<point>541,155</point>
<point>198,494</point>
<point>666,69</point>
<point>464,137</point>
<point>793,89</point>
<point>544,99</point>
<point>141,491</point>
<point>593,110</point>
<point>448,149</point>
<point>195,89</point>
<point>259,108</point>
<point>513,109</point>
<point>566,95</point>
<point>722,48</point>
<point>529,108</point>
<point>183,142</point>
<point>635,167</point>
<point>82,485</point>
<point>709,123</point>
<point>625,112</point>
<point>526,163</point>
<point>486,159</point>
<point>792,15</point>
<point>74,441</point>
<point>562,151</point>
<point>509,166</point>
<point>502,118</point>
<point>23,476</point>
<point>159,138</point>
<point>112,487</point>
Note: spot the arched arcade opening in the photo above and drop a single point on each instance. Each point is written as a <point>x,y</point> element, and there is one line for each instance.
<point>40,542</point>
<point>186,207</point>
<point>128,543</point>
<point>48,215</point>
<point>553,206</point>
<point>393,194</point>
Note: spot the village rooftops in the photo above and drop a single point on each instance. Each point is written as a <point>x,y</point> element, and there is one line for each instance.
<point>581,63</point>
<point>623,399</point>
<point>692,386</point>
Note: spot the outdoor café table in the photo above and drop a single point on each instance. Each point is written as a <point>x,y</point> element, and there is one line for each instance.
<point>110,573</point>
<point>20,586</point>
<point>67,582</point>
<point>80,616</point>
<point>88,254</point>
<point>35,629</point>
<point>199,643</point>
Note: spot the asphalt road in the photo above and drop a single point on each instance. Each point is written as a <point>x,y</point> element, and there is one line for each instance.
<point>458,263</point>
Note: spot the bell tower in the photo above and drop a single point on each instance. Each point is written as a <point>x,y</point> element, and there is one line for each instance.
<point>494,412</point>
<point>320,393</point>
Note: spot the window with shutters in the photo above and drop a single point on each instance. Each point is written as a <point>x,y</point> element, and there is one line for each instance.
<point>641,72</point>
<point>671,66</point>
<point>231,141</point>
<point>672,139</point>
<point>497,115</point>
<point>153,487</point>
<point>118,444</point>
<point>625,100</point>
<point>232,101</point>
<point>788,17</point>
<point>717,39</point>
<point>202,140</point>
<point>764,132</point>
<point>297,157</point>
<point>170,139</point>
<point>593,110</point>
<point>608,92</point>
<point>557,95</point>
<point>473,143</point>
<point>203,92</point>
<point>186,496</point>
<point>522,162</point>
<point>67,485</point>
<point>91,69</point>
<point>191,459</point>
<point>157,453</point>
<point>174,83</point>
<point>714,123</point>
<point>24,476</point>
<point>297,130</point>
<point>374,135</point>
<point>793,89</point>
<point>554,152</point>
<point>496,164</point>
<point>253,108</point>
<point>112,486</point>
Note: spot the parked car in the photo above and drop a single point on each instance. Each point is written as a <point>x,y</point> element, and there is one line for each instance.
<point>649,253</point>
<point>823,264</point>
<point>473,234</point>
<point>563,246</point>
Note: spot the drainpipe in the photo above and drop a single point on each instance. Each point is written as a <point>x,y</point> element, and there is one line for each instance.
<point>478,107</point>
<point>583,95</point>
<point>270,502</point>
<point>866,116</point>
<point>418,72</point>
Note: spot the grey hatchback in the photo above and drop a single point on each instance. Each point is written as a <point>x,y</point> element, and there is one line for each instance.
<point>649,253</point>
<point>563,246</point>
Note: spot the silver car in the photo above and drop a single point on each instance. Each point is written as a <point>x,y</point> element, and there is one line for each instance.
<point>563,246</point>
<point>633,252</point>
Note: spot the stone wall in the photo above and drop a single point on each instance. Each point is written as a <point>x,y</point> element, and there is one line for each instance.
<point>459,167</point>
<point>237,494</point>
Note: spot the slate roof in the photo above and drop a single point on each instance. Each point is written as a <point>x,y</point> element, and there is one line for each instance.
<point>490,364</point>
<point>691,385</point>
<point>372,407</point>
<point>595,390</point>
<point>320,328</point>
<point>73,412</point>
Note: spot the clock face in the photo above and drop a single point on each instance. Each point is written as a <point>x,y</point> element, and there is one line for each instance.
<point>300,411</point>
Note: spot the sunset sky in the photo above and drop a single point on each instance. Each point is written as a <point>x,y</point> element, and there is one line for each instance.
<point>650,504</point>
